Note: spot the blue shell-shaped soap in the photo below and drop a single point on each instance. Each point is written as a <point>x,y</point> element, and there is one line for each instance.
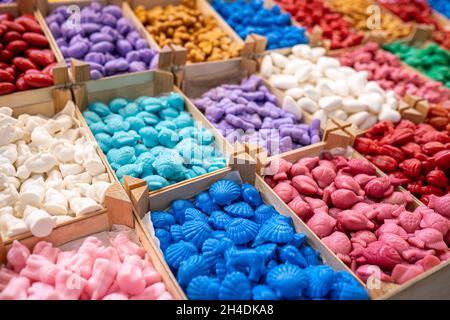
<point>192,214</point>
<point>219,234</point>
<point>268,250</point>
<point>345,291</point>
<point>312,256</point>
<point>345,277</point>
<point>224,192</point>
<point>241,231</point>
<point>203,288</point>
<point>235,286</point>
<point>321,279</point>
<point>272,264</point>
<point>298,240</point>
<point>179,208</point>
<point>192,267</point>
<point>197,231</point>
<point>263,213</point>
<point>240,210</point>
<point>219,220</point>
<point>290,280</point>
<point>164,237</point>
<point>221,269</point>
<point>209,251</point>
<point>178,252</point>
<point>277,229</point>
<point>292,255</point>
<point>205,203</point>
<point>261,292</point>
<point>162,219</point>
<point>176,232</point>
<point>251,195</point>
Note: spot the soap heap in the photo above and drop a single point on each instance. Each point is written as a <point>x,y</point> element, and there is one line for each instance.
<point>185,25</point>
<point>153,139</point>
<point>363,19</point>
<point>316,13</point>
<point>247,17</point>
<point>386,69</point>
<point>361,218</point>
<point>432,60</point>
<point>321,86</point>
<point>49,172</point>
<point>249,113</point>
<point>228,245</point>
<point>442,6</point>
<point>121,271</point>
<point>26,61</point>
<point>420,12</point>
<point>415,156</point>
<point>105,39</point>
<point>439,117</point>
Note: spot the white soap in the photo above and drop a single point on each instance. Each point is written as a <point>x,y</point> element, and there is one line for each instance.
<point>340,88</point>
<point>41,163</point>
<point>293,66</point>
<point>39,221</point>
<point>330,103</point>
<point>69,169</point>
<point>295,93</point>
<point>303,73</point>
<point>283,81</point>
<point>324,86</point>
<point>82,206</point>
<point>311,93</point>
<point>339,114</point>
<point>353,106</point>
<point>357,83</point>
<point>358,118</point>
<point>291,106</point>
<point>279,60</point>
<point>334,74</point>
<point>388,114</point>
<point>321,115</point>
<point>55,202</point>
<point>308,105</point>
<point>266,66</point>
<point>370,121</point>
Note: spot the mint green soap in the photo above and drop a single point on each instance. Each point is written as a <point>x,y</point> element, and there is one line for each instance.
<point>130,110</point>
<point>91,117</point>
<point>155,182</point>
<point>99,108</point>
<point>117,104</point>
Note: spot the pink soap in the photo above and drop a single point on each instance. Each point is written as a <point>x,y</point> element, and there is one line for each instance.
<point>16,289</point>
<point>17,256</point>
<point>126,247</point>
<point>46,249</point>
<point>103,274</point>
<point>405,272</point>
<point>129,277</point>
<point>69,285</point>
<point>42,291</point>
<point>39,268</point>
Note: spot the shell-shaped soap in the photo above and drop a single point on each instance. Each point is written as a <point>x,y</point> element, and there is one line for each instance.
<point>240,210</point>
<point>251,195</point>
<point>209,251</point>
<point>178,252</point>
<point>264,212</point>
<point>321,279</point>
<point>224,192</point>
<point>164,237</point>
<point>176,231</point>
<point>204,202</point>
<point>290,280</point>
<point>241,231</point>
<point>203,288</point>
<point>179,207</point>
<point>219,220</point>
<point>191,214</point>
<point>162,220</point>
<point>235,286</point>
<point>193,267</point>
<point>196,231</point>
<point>268,250</point>
<point>277,229</point>
<point>346,291</point>
<point>261,292</point>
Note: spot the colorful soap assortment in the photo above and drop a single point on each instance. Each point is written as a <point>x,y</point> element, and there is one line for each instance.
<point>386,69</point>
<point>120,270</point>
<point>153,138</point>
<point>248,112</point>
<point>332,24</point>
<point>187,26</point>
<point>49,172</point>
<point>248,17</point>
<point>26,61</point>
<point>227,244</point>
<point>319,85</point>
<point>104,38</point>
<point>361,217</point>
<point>415,156</point>
<point>432,60</point>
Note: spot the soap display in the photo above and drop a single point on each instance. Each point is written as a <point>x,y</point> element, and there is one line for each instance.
<point>26,61</point>
<point>361,217</point>
<point>248,112</point>
<point>321,86</point>
<point>185,25</point>
<point>153,138</point>
<point>386,69</point>
<point>431,60</point>
<point>105,39</point>
<point>416,157</point>
<point>247,17</point>
<point>227,244</point>
<point>50,172</point>
<point>119,270</point>
<point>317,13</point>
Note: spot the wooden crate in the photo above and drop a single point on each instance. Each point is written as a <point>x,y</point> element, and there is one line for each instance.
<point>149,83</point>
<point>428,285</point>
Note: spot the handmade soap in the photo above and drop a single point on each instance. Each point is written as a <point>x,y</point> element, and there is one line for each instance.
<point>105,39</point>
<point>244,250</point>
<point>248,17</point>
<point>322,87</point>
<point>360,216</point>
<point>49,172</point>
<point>94,271</point>
<point>153,138</point>
<point>248,112</point>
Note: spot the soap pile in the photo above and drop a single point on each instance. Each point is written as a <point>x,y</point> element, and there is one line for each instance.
<point>439,117</point>
<point>442,6</point>
<point>361,218</point>
<point>228,245</point>
<point>105,39</point>
<point>432,60</point>
<point>415,156</point>
<point>324,88</point>
<point>357,11</point>
<point>386,69</point>
<point>187,26</point>
<point>121,271</point>
<point>247,17</point>
<point>249,113</point>
<point>153,138</point>
<point>316,13</point>
<point>49,172</point>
